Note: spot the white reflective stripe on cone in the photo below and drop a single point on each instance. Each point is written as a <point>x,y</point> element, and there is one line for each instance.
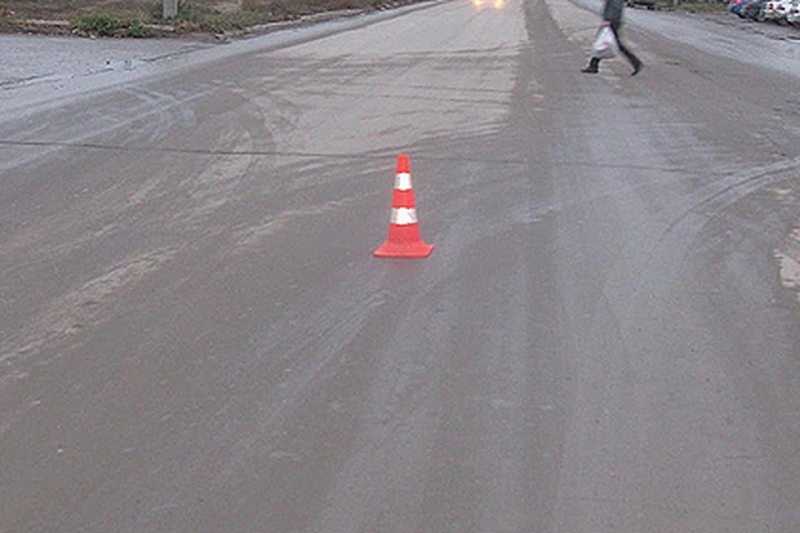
<point>402,182</point>
<point>404,216</point>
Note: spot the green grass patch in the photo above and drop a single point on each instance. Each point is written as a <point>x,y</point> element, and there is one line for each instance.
<point>199,17</point>
<point>195,16</point>
<point>701,7</point>
<point>705,8</point>
<point>107,25</point>
<point>133,18</point>
<point>138,30</point>
<point>102,24</point>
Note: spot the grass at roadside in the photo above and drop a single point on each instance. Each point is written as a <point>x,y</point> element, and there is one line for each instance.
<point>142,18</point>
<point>693,6</point>
<point>702,7</point>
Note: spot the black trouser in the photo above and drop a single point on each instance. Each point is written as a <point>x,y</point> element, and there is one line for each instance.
<point>630,56</point>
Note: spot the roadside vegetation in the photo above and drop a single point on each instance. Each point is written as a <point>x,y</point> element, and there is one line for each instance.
<point>693,6</point>
<point>698,7</point>
<point>142,18</point>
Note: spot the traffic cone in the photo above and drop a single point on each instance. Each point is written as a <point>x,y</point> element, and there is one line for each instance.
<point>404,239</point>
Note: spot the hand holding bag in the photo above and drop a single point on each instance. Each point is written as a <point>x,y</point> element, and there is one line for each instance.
<point>605,46</point>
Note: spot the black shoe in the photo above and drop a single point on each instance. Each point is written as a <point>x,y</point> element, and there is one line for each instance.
<point>636,68</point>
<point>590,70</point>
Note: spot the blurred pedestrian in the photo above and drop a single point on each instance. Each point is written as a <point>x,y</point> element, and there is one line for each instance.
<point>612,16</point>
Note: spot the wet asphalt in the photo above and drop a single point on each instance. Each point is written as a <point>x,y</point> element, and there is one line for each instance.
<point>195,336</point>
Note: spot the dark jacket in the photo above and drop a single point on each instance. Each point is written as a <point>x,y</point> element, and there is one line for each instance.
<point>612,12</point>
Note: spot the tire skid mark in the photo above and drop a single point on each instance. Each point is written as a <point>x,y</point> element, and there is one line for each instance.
<point>253,237</point>
<point>85,307</point>
<point>706,203</point>
<point>199,196</point>
<point>157,112</point>
<point>63,319</point>
<point>721,194</point>
<point>328,334</point>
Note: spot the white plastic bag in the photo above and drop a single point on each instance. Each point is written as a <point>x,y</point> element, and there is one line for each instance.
<point>605,46</point>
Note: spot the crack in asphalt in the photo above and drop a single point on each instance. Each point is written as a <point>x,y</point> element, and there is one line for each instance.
<point>316,155</point>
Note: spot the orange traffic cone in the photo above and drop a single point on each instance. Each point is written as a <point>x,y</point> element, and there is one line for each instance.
<point>404,239</point>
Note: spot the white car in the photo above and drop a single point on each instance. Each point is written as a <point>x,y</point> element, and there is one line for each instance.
<point>775,10</point>
<point>793,15</point>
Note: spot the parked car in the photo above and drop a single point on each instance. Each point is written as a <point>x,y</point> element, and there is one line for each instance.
<point>768,12</point>
<point>775,10</point>
<point>793,14</point>
<point>737,6</point>
<point>754,10</point>
<point>784,8</point>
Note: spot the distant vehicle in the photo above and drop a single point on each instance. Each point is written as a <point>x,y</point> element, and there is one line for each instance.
<point>649,4</point>
<point>737,7</point>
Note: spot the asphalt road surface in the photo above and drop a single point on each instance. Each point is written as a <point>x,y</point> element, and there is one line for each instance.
<point>195,337</point>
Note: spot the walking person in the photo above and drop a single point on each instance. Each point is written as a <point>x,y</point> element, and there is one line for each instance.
<point>612,16</point>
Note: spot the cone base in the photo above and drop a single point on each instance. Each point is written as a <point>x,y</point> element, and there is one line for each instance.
<point>416,250</point>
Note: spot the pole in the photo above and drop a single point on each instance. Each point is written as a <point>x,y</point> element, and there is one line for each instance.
<point>170,9</point>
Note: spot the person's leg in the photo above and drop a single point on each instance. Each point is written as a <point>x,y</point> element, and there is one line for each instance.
<point>593,67</point>
<point>594,63</point>
<point>630,56</point>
